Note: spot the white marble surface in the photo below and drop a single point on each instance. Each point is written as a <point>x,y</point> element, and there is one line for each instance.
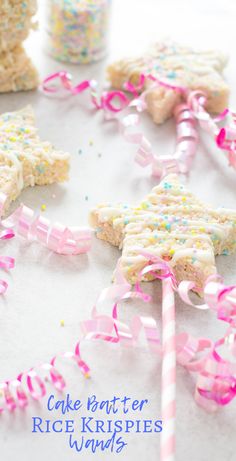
<point>46,288</point>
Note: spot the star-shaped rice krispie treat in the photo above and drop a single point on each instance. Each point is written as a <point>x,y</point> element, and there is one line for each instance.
<point>170,223</point>
<point>17,72</point>
<point>15,22</point>
<point>177,65</point>
<point>25,160</point>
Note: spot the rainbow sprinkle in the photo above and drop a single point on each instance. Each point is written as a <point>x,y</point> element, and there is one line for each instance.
<point>77,30</point>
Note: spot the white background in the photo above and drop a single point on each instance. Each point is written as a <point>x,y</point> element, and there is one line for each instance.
<point>45,288</point>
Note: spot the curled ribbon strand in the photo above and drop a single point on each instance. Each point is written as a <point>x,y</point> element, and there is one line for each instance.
<point>216,374</point>
<point>115,104</point>
<point>55,236</point>
<point>31,226</point>
<point>225,138</point>
<point>6,262</point>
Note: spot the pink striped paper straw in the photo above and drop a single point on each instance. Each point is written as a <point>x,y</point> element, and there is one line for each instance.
<point>168,390</point>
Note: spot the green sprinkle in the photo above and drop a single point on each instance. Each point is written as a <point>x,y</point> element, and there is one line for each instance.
<point>40,168</point>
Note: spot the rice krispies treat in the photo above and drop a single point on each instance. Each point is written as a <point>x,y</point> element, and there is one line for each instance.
<point>25,160</point>
<point>17,72</point>
<point>170,223</point>
<point>15,16</point>
<point>177,65</point>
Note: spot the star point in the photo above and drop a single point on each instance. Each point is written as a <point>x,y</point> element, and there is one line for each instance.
<point>25,160</point>
<point>170,223</point>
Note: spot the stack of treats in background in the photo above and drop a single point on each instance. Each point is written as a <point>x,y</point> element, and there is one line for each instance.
<point>17,72</point>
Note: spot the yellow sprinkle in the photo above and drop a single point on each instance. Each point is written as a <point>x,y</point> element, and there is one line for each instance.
<point>62,323</point>
<point>172,251</point>
<point>12,138</point>
<point>43,207</point>
<point>183,199</point>
<point>202,229</point>
<point>193,231</point>
<point>87,375</point>
<point>144,206</point>
<point>152,239</point>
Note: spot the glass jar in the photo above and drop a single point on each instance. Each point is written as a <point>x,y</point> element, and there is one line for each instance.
<point>77,30</point>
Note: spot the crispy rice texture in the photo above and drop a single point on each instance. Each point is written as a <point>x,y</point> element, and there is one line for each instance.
<point>25,160</point>
<point>177,65</point>
<point>170,223</point>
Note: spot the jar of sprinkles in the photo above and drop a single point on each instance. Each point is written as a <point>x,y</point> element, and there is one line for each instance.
<point>77,30</point>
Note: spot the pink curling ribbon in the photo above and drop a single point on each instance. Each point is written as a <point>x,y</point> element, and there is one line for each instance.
<point>106,101</point>
<point>31,226</point>
<point>55,236</point>
<point>187,139</point>
<point>115,103</point>
<point>6,262</point>
<point>225,137</point>
<point>186,133</point>
<point>215,369</point>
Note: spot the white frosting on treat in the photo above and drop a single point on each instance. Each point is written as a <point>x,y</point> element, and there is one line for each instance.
<point>22,151</point>
<point>176,65</point>
<point>170,223</point>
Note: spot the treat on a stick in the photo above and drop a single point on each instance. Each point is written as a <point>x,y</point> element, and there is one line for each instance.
<point>170,223</point>
<point>25,160</point>
<point>179,66</point>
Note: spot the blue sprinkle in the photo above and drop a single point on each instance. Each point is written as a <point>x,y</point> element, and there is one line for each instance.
<point>171,74</point>
<point>167,185</point>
